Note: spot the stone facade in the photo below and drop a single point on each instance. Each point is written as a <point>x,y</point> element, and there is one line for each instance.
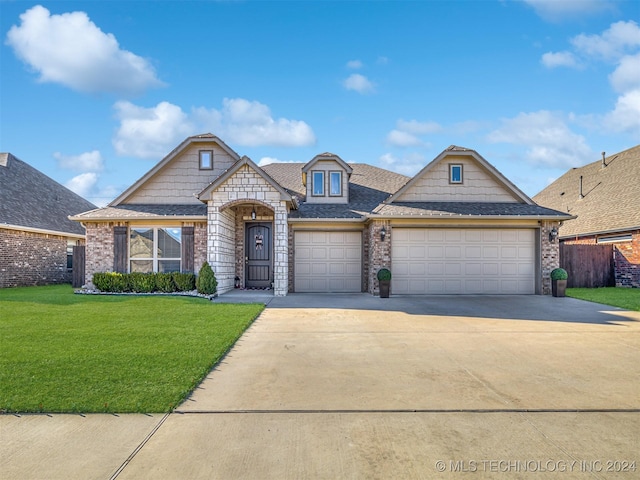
<point>29,258</point>
<point>245,187</point>
<point>626,257</point>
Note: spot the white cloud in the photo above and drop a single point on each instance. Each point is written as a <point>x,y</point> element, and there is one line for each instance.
<point>398,138</point>
<point>354,64</point>
<point>560,59</point>
<point>626,76</point>
<point>548,139</point>
<point>359,83</point>
<point>153,132</point>
<point>418,128</point>
<point>409,164</point>
<point>625,117</point>
<point>614,42</point>
<point>382,60</point>
<point>149,132</point>
<point>557,10</point>
<point>82,184</point>
<point>71,50</point>
<point>85,162</point>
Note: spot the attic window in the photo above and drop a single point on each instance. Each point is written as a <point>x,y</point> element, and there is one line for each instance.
<point>206,159</point>
<point>455,173</point>
<point>335,184</point>
<point>318,184</point>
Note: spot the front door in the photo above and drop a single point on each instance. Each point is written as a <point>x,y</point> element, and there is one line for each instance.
<point>258,255</point>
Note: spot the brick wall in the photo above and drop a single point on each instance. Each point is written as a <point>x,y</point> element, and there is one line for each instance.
<point>28,258</point>
<point>379,253</point>
<point>99,253</point>
<point>626,257</point>
<point>550,255</point>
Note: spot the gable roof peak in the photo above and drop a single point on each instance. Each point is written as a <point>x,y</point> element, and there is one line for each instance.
<point>327,156</point>
<point>456,148</point>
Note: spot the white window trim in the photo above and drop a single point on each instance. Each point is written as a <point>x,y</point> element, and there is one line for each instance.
<point>210,152</point>
<point>339,173</point>
<point>155,259</point>
<point>451,167</point>
<point>313,183</point>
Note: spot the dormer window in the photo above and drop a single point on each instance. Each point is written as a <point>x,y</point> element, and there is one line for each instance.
<point>335,184</point>
<point>206,159</point>
<point>455,173</point>
<point>318,184</point>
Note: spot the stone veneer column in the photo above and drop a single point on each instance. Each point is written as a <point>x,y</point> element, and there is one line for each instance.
<point>379,253</point>
<point>280,250</point>
<point>550,255</point>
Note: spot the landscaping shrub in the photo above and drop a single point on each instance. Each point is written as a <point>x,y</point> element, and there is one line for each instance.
<point>185,282</point>
<point>142,282</point>
<point>559,274</point>
<point>111,282</point>
<point>164,282</point>
<point>206,282</point>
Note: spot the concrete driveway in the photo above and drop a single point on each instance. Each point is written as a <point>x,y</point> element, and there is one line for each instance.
<point>353,386</point>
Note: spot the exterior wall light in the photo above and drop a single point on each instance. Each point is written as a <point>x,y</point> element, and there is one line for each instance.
<point>253,213</point>
<point>383,234</point>
<point>553,234</point>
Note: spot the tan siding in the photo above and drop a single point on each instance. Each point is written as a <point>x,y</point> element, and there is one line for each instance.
<point>327,166</point>
<point>181,179</point>
<point>477,186</point>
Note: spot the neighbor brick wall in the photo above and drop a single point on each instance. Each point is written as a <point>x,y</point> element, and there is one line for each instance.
<point>28,258</point>
<point>550,253</point>
<point>626,256</point>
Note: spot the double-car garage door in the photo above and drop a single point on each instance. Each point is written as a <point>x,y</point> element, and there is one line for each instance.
<point>463,261</point>
<point>328,261</point>
<point>423,261</point>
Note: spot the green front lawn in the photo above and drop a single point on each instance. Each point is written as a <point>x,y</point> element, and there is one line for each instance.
<point>61,352</point>
<point>627,298</point>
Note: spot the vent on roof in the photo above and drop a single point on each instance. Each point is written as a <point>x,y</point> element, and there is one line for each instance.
<point>581,195</point>
<point>604,162</point>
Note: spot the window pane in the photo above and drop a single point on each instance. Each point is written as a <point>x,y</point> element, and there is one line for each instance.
<point>169,242</point>
<point>206,159</point>
<point>456,174</point>
<point>141,243</point>
<point>318,183</point>
<point>144,266</point>
<point>336,183</point>
<point>165,266</point>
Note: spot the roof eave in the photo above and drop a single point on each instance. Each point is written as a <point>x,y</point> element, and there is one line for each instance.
<point>41,230</point>
<point>600,232</point>
<point>187,218</point>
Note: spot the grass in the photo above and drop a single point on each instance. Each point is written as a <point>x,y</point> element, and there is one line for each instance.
<point>627,298</point>
<point>61,352</point>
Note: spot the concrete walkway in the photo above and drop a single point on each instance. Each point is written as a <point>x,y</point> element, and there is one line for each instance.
<point>353,386</point>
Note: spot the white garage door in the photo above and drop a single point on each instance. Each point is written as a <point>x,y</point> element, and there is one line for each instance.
<point>328,261</point>
<point>463,261</point>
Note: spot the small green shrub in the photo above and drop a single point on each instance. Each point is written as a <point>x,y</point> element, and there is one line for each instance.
<point>164,282</point>
<point>185,282</point>
<point>206,282</point>
<point>384,275</point>
<point>110,282</point>
<point>559,274</point>
<point>142,282</point>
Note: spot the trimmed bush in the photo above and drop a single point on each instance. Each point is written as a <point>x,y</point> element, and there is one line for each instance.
<point>206,282</point>
<point>559,274</point>
<point>184,282</point>
<point>164,283</point>
<point>384,275</point>
<point>142,282</point>
<point>110,282</point>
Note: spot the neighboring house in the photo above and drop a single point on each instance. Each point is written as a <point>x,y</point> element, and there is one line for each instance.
<point>36,235</point>
<point>458,226</point>
<point>604,196</point>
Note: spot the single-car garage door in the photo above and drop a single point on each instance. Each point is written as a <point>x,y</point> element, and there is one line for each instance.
<point>328,261</point>
<point>463,261</point>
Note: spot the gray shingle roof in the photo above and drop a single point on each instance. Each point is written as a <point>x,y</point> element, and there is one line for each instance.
<point>456,209</point>
<point>138,211</point>
<point>29,198</point>
<point>611,195</point>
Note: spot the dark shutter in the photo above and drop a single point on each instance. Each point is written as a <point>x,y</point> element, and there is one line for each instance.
<point>187,249</point>
<point>77,277</point>
<point>120,249</point>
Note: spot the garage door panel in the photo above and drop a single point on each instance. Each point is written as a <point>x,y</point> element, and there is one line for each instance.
<point>328,261</point>
<point>471,261</point>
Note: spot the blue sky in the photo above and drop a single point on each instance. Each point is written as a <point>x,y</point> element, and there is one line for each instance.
<point>95,93</point>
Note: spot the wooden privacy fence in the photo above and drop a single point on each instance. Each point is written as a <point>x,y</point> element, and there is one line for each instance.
<point>77,272</point>
<point>588,266</point>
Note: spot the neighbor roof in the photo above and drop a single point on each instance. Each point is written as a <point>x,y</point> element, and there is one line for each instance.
<point>30,199</point>
<point>611,195</point>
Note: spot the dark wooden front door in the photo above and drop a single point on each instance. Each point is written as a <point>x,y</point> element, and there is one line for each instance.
<point>258,255</point>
